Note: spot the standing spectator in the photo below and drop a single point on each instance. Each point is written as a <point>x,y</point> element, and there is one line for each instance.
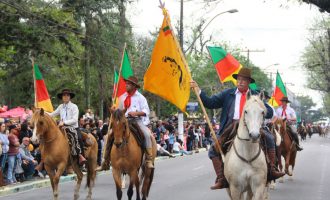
<point>12,154</point>
<point>190,138</point>
<point>89,114</point>
<point>25,132</point>
<point>28,161</point>
<point>159,129</point>
<point>171,141</point>
<point>5,145</point>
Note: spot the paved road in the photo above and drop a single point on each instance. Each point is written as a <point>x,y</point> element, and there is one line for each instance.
<point>189,177</point>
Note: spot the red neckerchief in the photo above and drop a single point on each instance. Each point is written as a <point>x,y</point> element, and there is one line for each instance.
<point>283,111</point>
<point>242,103</point>
<point>127,102</point>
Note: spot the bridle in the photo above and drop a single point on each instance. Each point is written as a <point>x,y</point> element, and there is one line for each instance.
<point>124,141</point>
<point>247,140</point>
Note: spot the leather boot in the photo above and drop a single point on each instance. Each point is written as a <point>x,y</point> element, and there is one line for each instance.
<point>82,159</point>
<point>221,181</point>
<point>276,174</point>
<point>149,158</point>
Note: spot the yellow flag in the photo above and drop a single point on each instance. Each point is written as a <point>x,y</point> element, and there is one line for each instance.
<point>167,75</point>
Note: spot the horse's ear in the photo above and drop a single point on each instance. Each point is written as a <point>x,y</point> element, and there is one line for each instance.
<point>33,108</point>
<point>42,112</point>
<point>262,95</point>
<point>249,94</point>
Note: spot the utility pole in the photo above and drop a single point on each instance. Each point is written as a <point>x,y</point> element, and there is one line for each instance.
<point>181,25</point>
<point>252,51</point>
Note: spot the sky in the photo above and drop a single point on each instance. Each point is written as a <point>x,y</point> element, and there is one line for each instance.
<point>277,27</point>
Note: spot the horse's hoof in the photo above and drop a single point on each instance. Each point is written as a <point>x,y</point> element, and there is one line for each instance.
<point>76,197</point>
<point>281,180</point>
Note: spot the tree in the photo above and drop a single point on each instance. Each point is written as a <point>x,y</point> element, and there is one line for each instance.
<point>306,103</point>
<point>316,58</point>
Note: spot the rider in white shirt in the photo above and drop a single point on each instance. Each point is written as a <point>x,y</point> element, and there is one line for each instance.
<point>286,112</point>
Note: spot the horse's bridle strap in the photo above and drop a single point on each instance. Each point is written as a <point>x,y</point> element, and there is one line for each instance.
<point>245,160</point>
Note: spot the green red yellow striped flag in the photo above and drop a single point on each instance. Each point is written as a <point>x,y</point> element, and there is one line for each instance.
<point>119,86</point>
<point>225,64</point>
<point>279,92</point>
<point>42,97</point>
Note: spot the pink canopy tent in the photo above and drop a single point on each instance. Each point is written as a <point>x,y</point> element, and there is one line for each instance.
<point>13,113</point>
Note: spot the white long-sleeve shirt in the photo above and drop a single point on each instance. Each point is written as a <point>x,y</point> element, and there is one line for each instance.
<point>138,104</point>
<point>290,113</point>
<point>69,114</point>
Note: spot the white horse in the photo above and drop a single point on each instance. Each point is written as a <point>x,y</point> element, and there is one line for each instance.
<point>245,163</point>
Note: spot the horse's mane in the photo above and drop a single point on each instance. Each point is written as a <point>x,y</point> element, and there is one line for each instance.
<point>256,98</point>
<point>37,115</point>
<point>117,115</point>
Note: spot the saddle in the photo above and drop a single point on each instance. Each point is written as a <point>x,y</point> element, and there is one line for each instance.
<point>227,137</point>
<point>137,132</point>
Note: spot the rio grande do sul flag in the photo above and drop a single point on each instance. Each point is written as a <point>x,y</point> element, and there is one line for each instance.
<point>225,64</point>
<point>41,94</point>
<point>119,86</point>
<point>167,75</point>
<point>279,92</point>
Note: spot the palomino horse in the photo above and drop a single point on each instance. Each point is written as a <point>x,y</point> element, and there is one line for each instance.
<point>245,163</point>
<point>127,157</point>
<point>55,153</point>
<point>287,148</point>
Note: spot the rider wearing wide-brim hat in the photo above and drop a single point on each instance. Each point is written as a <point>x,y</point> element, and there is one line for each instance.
<point>285,111</point>
<point>231,101</point>
<point>69,114</point>
<point>137,107</point>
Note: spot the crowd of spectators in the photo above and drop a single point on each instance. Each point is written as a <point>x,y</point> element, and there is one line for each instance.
<point>20,159</point>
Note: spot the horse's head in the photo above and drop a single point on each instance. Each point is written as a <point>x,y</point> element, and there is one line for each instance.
<point>254,115</point>
<point>119,126</point>
<point>40,123</point>
<point>280,126</point>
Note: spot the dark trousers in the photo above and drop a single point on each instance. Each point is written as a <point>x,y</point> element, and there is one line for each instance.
<point>28,169</point>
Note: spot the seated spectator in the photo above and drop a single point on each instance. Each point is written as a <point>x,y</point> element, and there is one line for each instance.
<point>162,152</point>
<point>28,161</point>
<point>177,148</point>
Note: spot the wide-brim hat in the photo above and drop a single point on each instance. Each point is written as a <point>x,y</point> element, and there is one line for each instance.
<point>285,99</point>
<point>134,80</point>
<point>66,91</point>
<point>244,72</point>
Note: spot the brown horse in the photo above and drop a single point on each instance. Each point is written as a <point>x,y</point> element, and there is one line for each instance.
<point>287,148</point>
<point>302,131</point>
<point>55,152</point>
<point>127,157</point>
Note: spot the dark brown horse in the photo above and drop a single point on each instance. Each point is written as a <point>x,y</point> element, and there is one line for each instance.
<point>302,131</point>
<point>55,153</point>
<point>287,148</point>
<point>127,157</point>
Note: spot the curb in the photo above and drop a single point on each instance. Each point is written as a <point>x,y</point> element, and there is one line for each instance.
<point>29,185</point>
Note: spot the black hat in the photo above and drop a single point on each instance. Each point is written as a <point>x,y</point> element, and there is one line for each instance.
<point>66,91</point>
<point>285,99</point>
<point>245,72</point>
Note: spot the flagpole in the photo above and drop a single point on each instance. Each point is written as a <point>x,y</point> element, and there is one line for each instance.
<point>34,83</point>
<point>114,99</point>
<point>214,137</point>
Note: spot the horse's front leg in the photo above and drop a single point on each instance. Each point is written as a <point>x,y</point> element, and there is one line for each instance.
<point>259,193</point>
<point>135,180</point>
<point>235,193</point>
<point>117,177</point>
<point>51,174</point>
